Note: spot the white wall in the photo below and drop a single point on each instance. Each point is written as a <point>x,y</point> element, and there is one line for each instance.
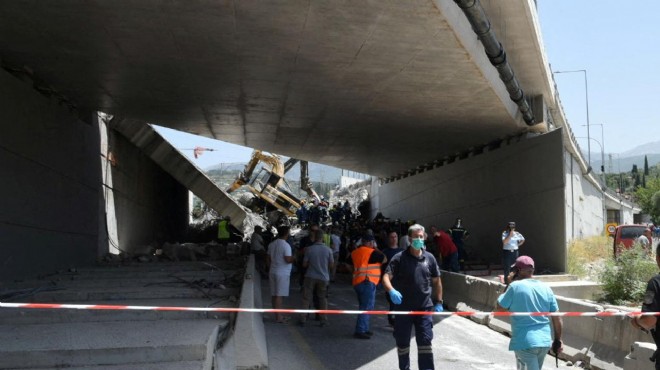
<point>584,203</point>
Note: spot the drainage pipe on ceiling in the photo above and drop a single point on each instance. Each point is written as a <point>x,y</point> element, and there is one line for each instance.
<point>481,26</point>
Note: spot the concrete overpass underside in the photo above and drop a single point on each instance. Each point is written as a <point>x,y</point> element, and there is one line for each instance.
<point>335,82</point>
<point>379,87</point>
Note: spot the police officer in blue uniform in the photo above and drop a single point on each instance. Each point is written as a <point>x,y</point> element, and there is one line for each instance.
<point>412,280</point>
<point>458,235</point>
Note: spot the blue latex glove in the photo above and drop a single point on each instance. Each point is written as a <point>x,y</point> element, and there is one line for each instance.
<point>395,296</point>
<point>438,307</point>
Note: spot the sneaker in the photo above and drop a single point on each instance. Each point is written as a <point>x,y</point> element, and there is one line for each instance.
<point>369,333</point>
<point>361,336</point>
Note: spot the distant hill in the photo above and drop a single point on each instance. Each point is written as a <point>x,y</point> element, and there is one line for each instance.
<point>623,162</point>
<point>644,149</point>
<point>225,167</point>
<point>317,172</point>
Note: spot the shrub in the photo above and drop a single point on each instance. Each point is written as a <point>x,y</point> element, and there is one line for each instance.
<point>624,278</point>
<point>583,252</point>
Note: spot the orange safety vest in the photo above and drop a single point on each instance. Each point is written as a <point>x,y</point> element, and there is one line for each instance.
<point>362,269</point>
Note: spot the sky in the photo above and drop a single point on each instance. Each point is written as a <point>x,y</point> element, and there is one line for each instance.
<point>223,152</point>
<point>617,43</point>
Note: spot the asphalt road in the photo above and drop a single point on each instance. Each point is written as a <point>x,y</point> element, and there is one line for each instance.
<point>458,343</point>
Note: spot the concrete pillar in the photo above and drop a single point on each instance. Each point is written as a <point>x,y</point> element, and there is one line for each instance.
<point>50,184</point>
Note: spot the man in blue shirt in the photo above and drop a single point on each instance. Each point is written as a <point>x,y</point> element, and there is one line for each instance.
<point>318,262</point>
<point>531,336</point>
<point>412,280</point>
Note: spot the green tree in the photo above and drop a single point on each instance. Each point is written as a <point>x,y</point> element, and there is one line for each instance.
<point>634,169</point>
<point>646,166</point>
<point>645,195</point>
<point>655,207</point>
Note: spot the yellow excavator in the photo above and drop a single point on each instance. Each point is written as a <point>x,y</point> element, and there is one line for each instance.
<point>269,185</point>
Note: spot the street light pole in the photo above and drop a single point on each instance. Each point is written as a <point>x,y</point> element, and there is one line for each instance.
<point>602,154</point>
<point>602,140</point>
<point>586,95</point>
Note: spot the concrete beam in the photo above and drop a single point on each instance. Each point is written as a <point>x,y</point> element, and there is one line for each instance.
<point>171,160</point>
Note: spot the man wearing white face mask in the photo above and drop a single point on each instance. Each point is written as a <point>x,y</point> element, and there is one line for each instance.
<point>412,280</point>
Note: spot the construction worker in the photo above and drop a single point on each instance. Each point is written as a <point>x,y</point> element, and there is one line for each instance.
<point>223,235</point>
<point>412,280</point>
<point>366,275</point>
<point>223,229</point>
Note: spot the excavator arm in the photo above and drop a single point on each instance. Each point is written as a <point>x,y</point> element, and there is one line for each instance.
<point>305,184</point>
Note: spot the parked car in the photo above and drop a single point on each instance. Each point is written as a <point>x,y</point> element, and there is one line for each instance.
<point>625,235</point>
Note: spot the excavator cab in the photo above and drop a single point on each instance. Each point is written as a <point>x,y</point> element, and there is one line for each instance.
<point>269,184</point>
<point>272,188</point>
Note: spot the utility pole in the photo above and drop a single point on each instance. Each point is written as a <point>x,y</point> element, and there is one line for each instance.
<point>586,95</point>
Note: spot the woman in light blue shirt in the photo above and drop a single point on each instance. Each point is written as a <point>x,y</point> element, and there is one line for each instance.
<point>511,241</point>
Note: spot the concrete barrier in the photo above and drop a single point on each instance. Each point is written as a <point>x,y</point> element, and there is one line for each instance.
<point>249,337</point>
<point>603,343</point>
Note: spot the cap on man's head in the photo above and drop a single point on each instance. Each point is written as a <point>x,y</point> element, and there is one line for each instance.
<point>523,262</point>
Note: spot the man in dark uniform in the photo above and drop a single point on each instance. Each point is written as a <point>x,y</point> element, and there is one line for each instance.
<point>458,235</point>
<point>651,304</point>
<point>390,251</point>
<point>412,279</point>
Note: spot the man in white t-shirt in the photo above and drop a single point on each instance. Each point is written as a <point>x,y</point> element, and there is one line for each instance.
<point>645,240</point>
<point>280,259</point>
<point>335,243</point>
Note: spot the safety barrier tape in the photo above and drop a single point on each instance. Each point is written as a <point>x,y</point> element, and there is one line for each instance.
<point>329,312</point>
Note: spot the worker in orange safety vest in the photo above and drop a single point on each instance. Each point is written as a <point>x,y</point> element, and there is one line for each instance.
<point>367,261</point>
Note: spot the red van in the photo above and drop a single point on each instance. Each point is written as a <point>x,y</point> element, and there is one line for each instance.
<point>626,235</point>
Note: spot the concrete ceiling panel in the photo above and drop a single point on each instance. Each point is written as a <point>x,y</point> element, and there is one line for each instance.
<point>284,76</point>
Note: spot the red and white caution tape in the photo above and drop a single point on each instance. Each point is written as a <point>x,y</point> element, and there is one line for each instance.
<point>329,312</point>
